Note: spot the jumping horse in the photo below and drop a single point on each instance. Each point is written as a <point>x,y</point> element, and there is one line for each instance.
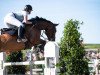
<point>8,42</point>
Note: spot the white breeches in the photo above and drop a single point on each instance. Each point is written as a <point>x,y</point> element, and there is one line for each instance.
<point>11,21</point>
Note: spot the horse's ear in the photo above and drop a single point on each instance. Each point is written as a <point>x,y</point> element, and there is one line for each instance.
<point>56,24</point>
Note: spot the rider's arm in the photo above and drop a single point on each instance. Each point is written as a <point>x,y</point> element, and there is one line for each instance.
<point>26,20</point>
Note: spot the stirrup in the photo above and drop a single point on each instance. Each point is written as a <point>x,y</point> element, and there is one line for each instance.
<point>24,40</point>
<point>19,40</point>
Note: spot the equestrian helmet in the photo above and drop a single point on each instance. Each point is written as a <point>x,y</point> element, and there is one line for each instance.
<point>27,8</point>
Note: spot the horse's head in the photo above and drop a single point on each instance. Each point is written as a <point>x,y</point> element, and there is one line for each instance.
<point>48,26</point>
<point>51,32</point>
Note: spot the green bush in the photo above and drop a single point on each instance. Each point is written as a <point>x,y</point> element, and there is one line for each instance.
<point>72,52</point>
<point>16,69</point>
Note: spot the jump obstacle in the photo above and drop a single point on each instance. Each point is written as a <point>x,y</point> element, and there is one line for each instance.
<point>51,58</point>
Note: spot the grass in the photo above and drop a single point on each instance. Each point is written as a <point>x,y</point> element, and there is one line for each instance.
<point>92,46</point>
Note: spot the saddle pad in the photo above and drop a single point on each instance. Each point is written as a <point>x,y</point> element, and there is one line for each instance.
<point>10,31</point>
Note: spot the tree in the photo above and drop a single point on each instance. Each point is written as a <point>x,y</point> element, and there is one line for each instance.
<point>72,52</point>
<point>15,69</point>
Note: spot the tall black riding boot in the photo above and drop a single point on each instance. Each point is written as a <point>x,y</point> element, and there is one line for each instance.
<point>20,32</point>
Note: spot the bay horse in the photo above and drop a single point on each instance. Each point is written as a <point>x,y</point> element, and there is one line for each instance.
<point>8,42</point>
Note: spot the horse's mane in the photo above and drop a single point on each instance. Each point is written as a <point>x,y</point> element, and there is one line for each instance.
<point>39,19</point>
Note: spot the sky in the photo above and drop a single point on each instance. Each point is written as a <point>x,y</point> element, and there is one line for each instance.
<point>60,11</point>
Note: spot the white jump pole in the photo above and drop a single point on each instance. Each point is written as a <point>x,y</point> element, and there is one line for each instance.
<point>51,54</point>
<point>2,60</point>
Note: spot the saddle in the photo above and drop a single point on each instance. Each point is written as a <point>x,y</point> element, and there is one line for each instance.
<point>10,31</point>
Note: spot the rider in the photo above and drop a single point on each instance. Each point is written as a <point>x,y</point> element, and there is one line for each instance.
<point>16,20</point>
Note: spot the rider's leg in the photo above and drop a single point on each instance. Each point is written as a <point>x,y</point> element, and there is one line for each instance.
<point>10,19</point>
<point>21,32</point>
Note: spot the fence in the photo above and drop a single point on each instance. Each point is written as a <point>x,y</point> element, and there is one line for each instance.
<point>51,54</point>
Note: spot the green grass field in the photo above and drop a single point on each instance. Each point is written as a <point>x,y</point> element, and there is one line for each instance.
<point>92,46</point>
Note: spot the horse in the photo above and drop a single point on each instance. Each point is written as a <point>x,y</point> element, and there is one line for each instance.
<point>8,42</point>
